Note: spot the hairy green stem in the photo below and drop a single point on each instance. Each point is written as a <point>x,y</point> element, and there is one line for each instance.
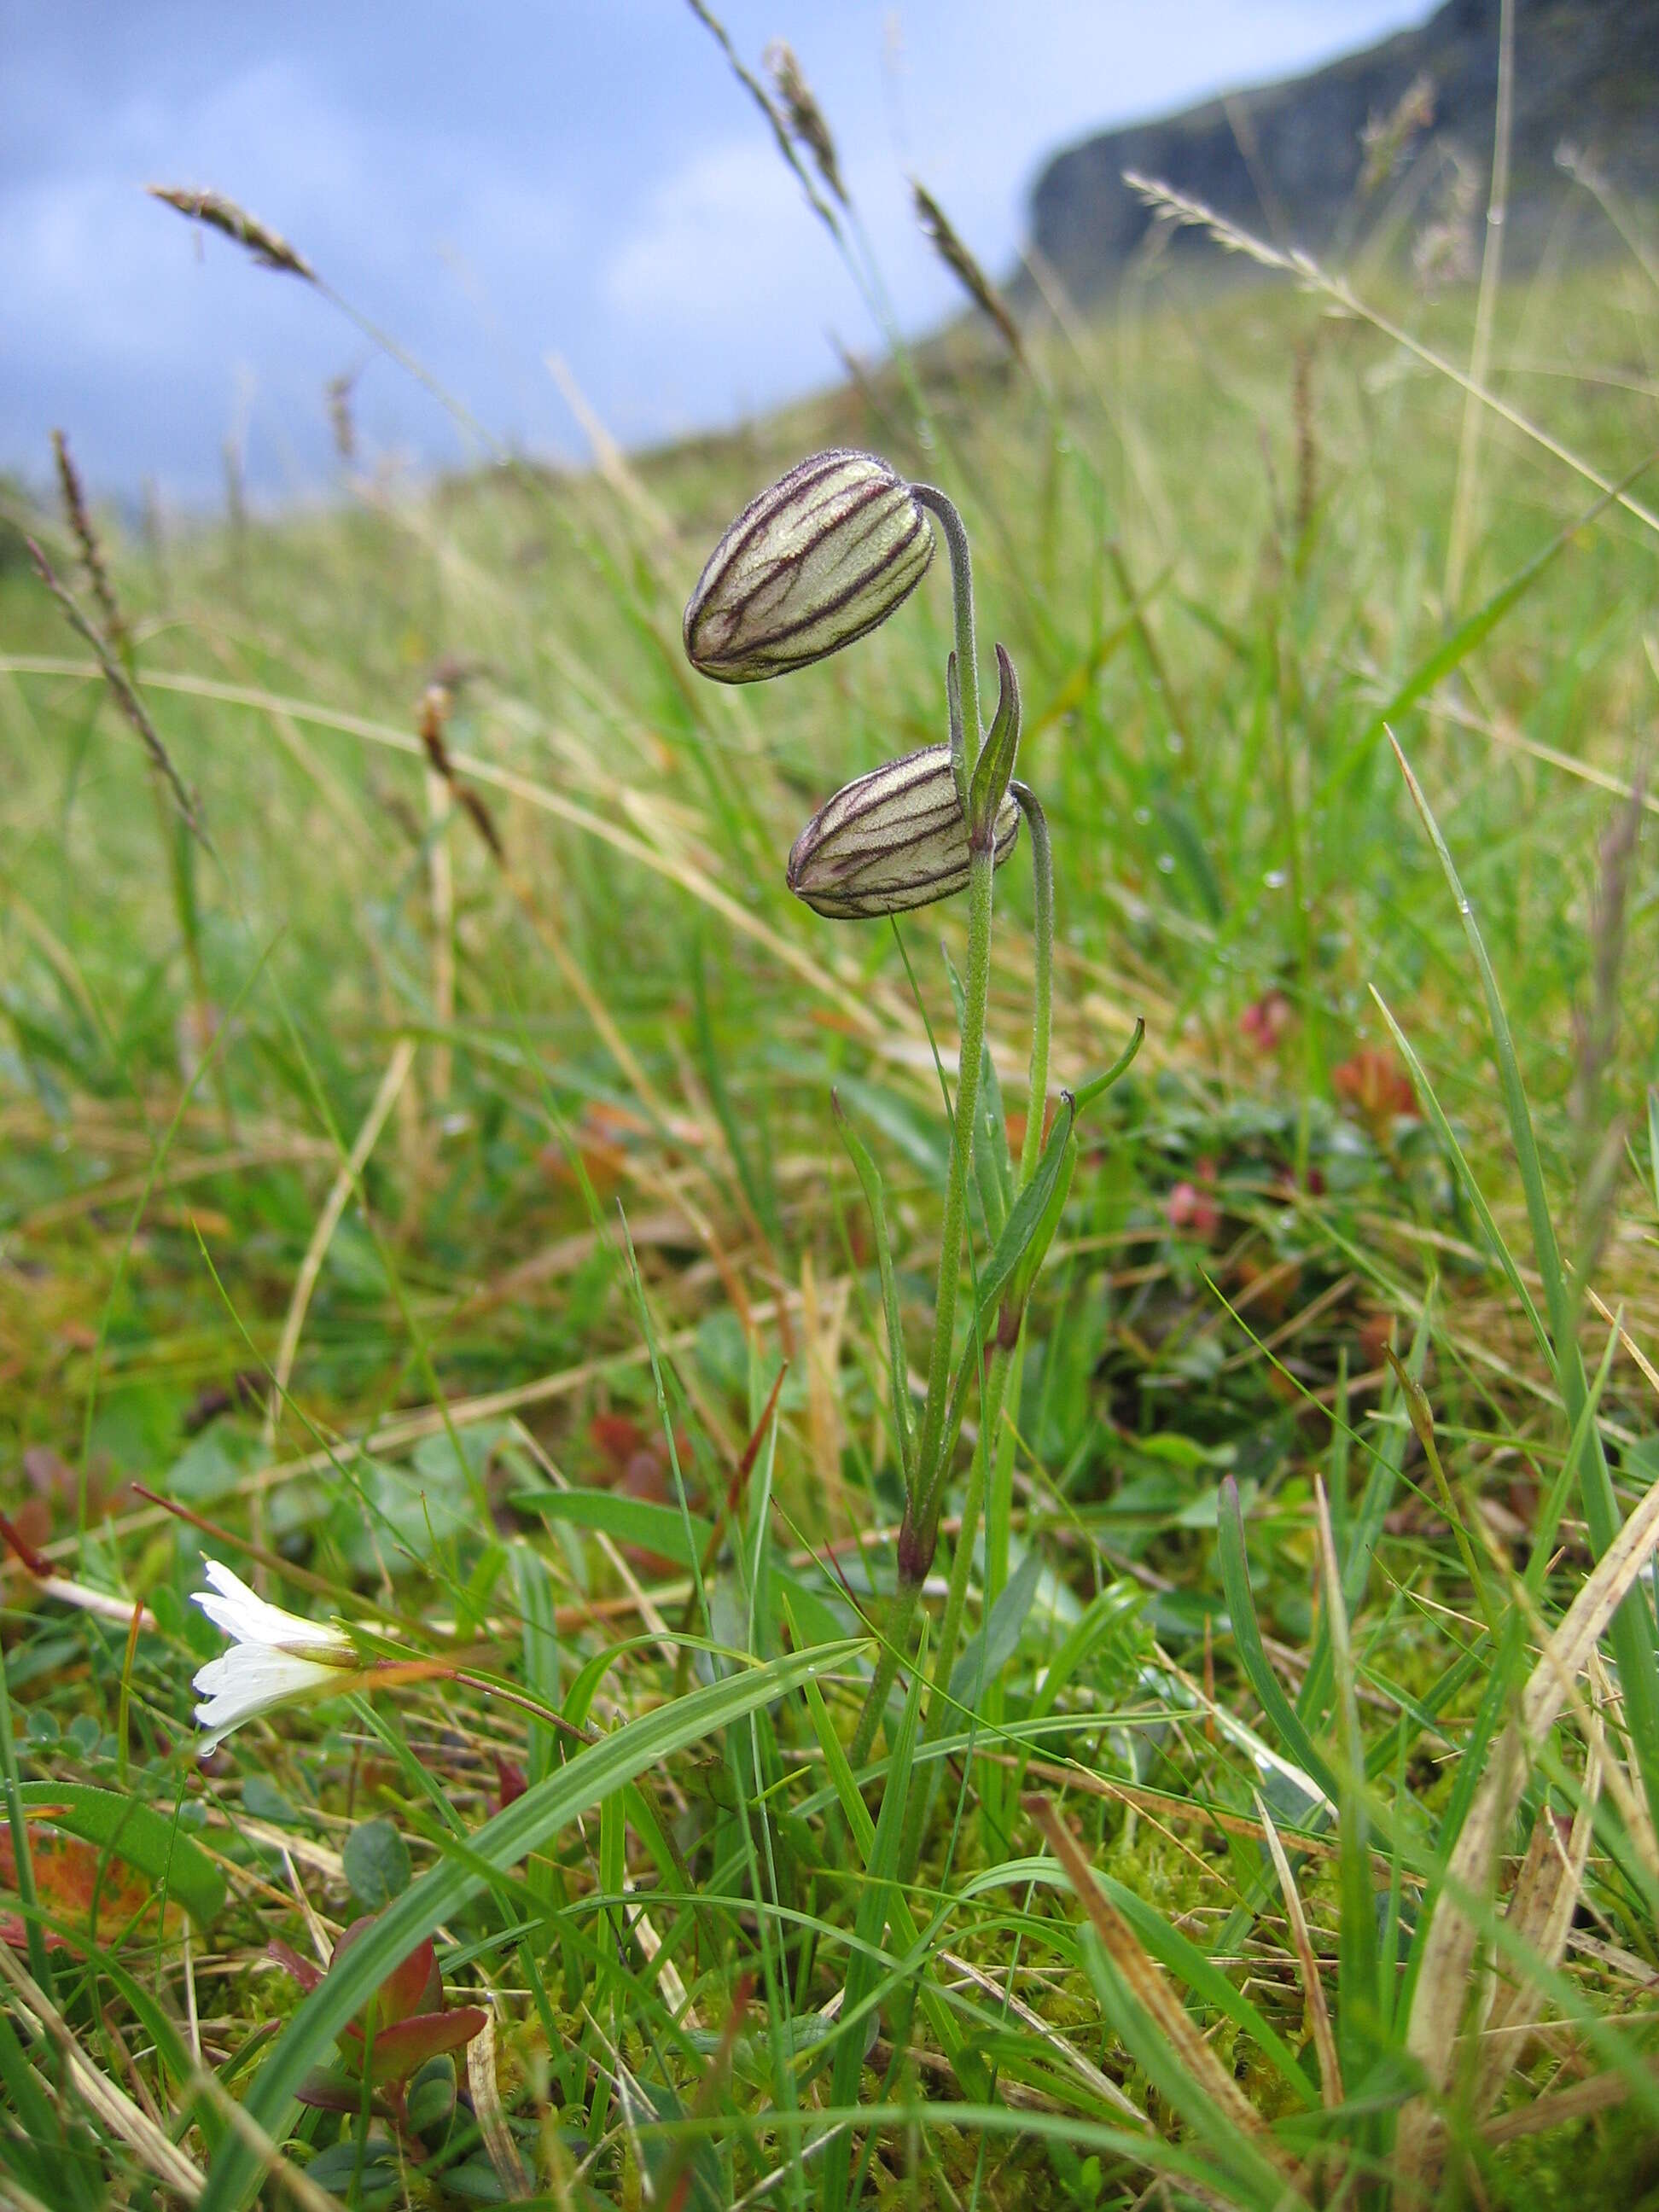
<point>1042,878</point>
<point>925,1493</point>
<point>939,1705</point>
<point>961,593</point>
<point>922,1504</point>
<point>930,1471</point>
<point>902,1619</point>
<point>998,1514</point>
<point>995,1443</point>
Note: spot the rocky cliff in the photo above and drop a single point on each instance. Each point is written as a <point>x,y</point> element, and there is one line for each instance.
<point>1394,143</point>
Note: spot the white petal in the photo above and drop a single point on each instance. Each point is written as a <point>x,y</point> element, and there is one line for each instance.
<point>242,1614</point>
<point>249,1680</point>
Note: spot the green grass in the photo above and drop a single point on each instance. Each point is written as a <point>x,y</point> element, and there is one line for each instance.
<point>514,1441</point>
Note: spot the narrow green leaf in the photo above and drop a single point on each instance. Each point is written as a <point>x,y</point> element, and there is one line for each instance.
<point>1358,1543</point>
<point>1457,648</point>
<point>1088,1092</point>
<point>1631,1630</point>
<point>525,1826</point>
<point>994,1168</point>
<point>996,1644</point>
<point>1251,2179</point>
<point>875,1197</point>
<point>1358,2025</point>
<point>1465,1174</point>
<point>147,1840</point>
<point>1549,1514</point>
<point>1247,1635</point>
<point>1013,1266</point>
<point>875,1904</point>
<point>1023,1233</point>
<point>534,1589</point>
<point>862,1829</point>
<point>990,781</point>
<point>1176,1953</point>
<point>663,1529</point>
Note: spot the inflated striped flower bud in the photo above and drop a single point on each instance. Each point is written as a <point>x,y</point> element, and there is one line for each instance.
<point>891,840</point>
<point>819,558</point>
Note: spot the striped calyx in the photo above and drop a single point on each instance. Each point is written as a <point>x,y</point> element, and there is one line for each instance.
<point>891,840</point>
<point>820,557</point>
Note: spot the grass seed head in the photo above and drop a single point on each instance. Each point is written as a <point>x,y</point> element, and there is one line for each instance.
<point>268,246</point>
<point>79,518</point>
<point>952,250</point>
<point>805,117</point>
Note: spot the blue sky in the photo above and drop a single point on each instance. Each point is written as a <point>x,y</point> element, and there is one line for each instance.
<point>502,180</point>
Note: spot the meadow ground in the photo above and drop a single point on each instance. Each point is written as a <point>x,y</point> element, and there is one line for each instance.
<point>418,1184</point>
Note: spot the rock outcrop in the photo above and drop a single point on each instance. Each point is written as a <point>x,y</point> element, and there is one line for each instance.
<point>1397,138</point>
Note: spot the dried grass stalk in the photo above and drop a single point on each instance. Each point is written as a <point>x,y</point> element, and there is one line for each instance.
<point>1443,1982</point>
<point>1318,2012</point>
<point>1147,1980</point>
<point>1540,1914</point>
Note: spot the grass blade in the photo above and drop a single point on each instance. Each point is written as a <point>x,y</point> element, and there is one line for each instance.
<point>148,1840</point>
<point>874,1908</point>
<point>1157,2030</point>
<point>1449,1949</point>
<point>1253,1656</point>
<point>1632,1627</point>
<point>875,1197</point>
<point>587,1781</point>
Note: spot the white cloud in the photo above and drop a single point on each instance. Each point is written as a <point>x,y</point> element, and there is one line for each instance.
<point>485,218</point>
<point>729,233</point>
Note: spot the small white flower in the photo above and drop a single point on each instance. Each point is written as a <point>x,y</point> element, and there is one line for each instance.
<point>274,1657</point>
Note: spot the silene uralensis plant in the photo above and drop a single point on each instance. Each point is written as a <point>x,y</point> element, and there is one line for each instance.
<point>813,563</point>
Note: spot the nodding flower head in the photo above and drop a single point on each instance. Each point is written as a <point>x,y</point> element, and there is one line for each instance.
<point>891,840</point>
<point>818,559</point>
<point>275,1657</point>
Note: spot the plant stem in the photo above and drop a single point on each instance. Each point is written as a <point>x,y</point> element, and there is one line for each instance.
<point>923,1504</point>
<point>1042,877</point>
<point>962,592</point>
<point>939,1697</point>
<point>905,1602</point>
<point>930,1476</point>
<point>994,1444</point>
<point>1031,1152</point>
<point>925,1497</point>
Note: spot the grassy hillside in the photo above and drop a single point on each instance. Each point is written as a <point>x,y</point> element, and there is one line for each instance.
<point>342,1094</point>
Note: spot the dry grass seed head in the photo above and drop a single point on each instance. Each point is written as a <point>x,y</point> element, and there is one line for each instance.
<point>268,246</point>
<point>952,251</point>
<point>806,118</point>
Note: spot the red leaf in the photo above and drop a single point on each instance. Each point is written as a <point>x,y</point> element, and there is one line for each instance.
<point>77,1882</point>
<point>1374,1081</point>
<point>403,2050</point>
<point>13,1931</point>
<point>289,1960</point>
<point>413,1985</point>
